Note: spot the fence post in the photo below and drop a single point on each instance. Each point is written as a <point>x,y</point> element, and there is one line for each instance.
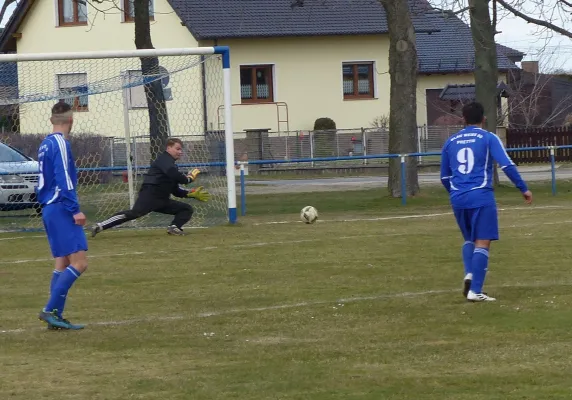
<point>242,190</point>
<point>364,144</point>
<point>403,182</point>
<point>553,169</point>
<point>311,134</point>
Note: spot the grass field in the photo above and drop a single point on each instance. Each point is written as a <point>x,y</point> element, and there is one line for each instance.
<point>364,304</point>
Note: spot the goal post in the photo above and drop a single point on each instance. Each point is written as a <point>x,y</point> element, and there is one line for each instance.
<point>124,112</point>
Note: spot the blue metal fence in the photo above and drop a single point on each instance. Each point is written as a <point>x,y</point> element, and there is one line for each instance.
<point>403,157</point>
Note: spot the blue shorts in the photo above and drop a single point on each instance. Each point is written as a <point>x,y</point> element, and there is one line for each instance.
<point>64,236</point>
<point>478,223</point>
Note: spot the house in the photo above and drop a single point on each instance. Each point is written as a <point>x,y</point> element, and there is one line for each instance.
<point>457,60</point>
<point>538,99</point>
<point>291,62</point>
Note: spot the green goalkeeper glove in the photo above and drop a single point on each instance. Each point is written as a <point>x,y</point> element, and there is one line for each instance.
<point>200,194</point>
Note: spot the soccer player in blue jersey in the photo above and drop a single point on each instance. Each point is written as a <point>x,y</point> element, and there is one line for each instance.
<point>467,172</point>
<point>63,220</point>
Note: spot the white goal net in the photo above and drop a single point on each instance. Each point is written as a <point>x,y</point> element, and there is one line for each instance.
<point>125,108</point>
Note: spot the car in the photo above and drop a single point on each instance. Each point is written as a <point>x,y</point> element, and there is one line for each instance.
<point>19,175</point>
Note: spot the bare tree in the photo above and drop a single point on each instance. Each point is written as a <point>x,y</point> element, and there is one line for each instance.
<point>158,118</point>
<point>534,102</point>
<point>150,69</point>
<point>543,13</point>
<point>403,64</point>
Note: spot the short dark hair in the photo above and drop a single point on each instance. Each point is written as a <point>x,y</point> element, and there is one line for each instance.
<point>473,113</point>
<point>172,141</point>
<point>61,107</point>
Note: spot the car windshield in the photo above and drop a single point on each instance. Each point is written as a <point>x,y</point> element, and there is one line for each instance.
<point>8,154</point>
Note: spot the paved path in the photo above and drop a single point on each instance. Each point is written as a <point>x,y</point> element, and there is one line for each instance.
<point>530,174</point>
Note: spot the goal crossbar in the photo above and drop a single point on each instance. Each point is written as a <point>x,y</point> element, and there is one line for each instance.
<point>90,55</point>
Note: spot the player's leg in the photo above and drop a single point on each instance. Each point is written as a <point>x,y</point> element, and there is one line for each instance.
<point>463,217</point>
<point>60,264</point>
<point>144,204</point>
<point>182,214</point>
<point>485,230</point>
<point>68,245</point>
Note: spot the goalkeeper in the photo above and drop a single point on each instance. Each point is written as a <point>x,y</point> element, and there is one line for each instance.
<point>162,180</point>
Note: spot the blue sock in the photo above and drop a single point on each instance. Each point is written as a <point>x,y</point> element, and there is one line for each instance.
<point>479,265</point>
<point>58,296</point>
<point>468,249</point>
<point>55,275</point>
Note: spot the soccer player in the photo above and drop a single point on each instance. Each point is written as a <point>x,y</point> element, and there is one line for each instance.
<point>162,180</point>
<point>467,173</point>
<point>63,220</point>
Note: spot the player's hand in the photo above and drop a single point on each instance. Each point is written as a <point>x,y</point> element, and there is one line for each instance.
<point>527,196</point>
<point>200,194</point>
<point>192,175</point>
<point>79,218</point>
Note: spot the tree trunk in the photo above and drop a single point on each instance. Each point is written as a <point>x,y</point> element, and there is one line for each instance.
<point>158,118</point>
<point>486,72</point>
<point>403,95</point>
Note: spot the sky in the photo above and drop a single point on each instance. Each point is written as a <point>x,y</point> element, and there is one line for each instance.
<point>553,52</point>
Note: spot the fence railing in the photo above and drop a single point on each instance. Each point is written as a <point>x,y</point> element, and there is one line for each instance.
<point>550,151</point>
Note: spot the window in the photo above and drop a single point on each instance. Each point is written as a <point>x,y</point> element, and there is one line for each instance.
<point>358,80</point>
<point>73,89</point>
<point>72,12</point>
<point>136,93</point>
<point>129,10</point>
<point>9,154</point>
<point>256,84</point>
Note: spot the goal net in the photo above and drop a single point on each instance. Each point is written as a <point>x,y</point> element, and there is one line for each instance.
<point>126,105</point>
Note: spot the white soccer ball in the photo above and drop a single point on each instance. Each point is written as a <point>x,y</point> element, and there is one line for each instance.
<point>309,215</point>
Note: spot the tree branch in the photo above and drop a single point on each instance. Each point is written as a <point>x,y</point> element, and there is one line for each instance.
<point>535,21</point>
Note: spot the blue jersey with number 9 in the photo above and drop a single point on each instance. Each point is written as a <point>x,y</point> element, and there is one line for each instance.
<point>467,163</point>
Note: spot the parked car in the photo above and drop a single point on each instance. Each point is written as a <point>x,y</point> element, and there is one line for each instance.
<point>19,176</point>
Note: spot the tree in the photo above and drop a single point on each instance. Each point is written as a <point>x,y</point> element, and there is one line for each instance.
<point>536,101</point>
<point>403,94</point>
<point>158,117</point>
<point>486,71</point>
<point>156,105</point>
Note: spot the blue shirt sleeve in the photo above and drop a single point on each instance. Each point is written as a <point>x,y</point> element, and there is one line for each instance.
<point>60,160</point>
<point>445,169</point>
<point>507,165</point>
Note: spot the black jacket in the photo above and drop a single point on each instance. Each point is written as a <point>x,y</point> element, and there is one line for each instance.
<point>164,178</point>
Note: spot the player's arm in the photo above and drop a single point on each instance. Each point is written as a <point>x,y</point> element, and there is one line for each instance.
<point>445,169</point>
<point>170,169</point>
<point>60,159</point>
<point>180,192</point>
<point>500,155</point>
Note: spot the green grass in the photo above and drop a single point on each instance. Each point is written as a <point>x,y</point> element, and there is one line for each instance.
<point>334,310</point>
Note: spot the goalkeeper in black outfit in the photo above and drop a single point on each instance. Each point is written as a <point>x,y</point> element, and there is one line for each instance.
<point>162,180</point>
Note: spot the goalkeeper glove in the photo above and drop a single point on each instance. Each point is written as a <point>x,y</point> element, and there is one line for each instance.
<point>192,175</point>
<point>200,194</point>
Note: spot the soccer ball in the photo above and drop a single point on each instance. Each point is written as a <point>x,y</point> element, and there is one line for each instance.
<point>309,215</point>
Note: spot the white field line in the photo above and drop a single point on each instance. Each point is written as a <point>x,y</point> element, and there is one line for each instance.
<point>340,301</point>
<point>281,242</point>
<point>411,216</point>
<point>21,237</point>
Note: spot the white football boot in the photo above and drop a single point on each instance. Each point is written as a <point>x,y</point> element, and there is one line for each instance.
<point>467,284</point>
<point>472,296</point>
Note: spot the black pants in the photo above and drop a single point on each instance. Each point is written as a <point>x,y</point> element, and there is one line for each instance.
<point>148,202</point>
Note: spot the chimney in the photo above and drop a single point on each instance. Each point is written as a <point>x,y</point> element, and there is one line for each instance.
<point>530,66</point>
